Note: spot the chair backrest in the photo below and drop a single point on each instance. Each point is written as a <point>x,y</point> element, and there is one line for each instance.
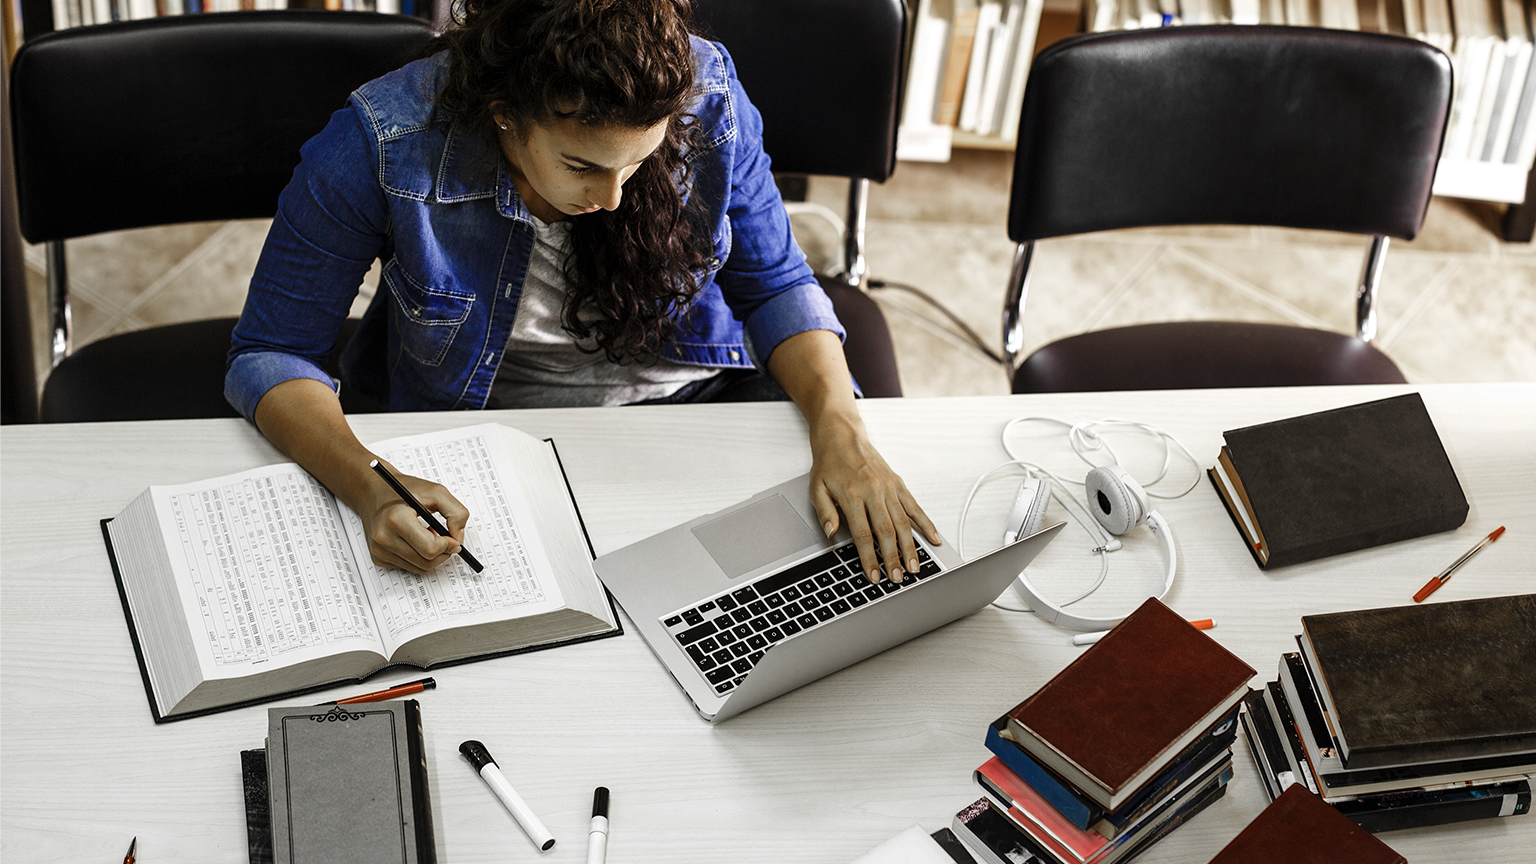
<point>184,118</point>
<point>826,75</point>
<point>1238,125</point>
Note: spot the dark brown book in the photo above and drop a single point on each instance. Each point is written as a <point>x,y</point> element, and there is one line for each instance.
<point>1337,481</point>
<point>1298,828</point>
<point>1431,682</point>
<point>1116,715</point>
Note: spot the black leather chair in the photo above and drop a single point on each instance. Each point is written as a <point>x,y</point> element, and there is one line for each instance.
<point>826,76</point>
<point>169,120</point>
<point>1254,125</point>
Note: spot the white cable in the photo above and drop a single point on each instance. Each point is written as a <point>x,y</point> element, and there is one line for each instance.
<point>1084,437</point>
<point>1102,548</point>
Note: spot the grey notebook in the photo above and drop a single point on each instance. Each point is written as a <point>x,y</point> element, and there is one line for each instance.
<point>348,784</point>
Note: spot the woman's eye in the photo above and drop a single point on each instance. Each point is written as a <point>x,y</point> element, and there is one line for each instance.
<point>579,169</point>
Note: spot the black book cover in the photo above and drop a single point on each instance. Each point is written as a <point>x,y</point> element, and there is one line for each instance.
<point>1339,782</point>
<point>1350,478</point>
<point>1427,682</point>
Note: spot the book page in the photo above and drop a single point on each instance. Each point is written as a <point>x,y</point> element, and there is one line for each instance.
<point>264,570</point>
<point>473,463</point>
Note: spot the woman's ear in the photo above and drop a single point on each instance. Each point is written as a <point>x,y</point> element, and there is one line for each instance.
<point>499,115</point>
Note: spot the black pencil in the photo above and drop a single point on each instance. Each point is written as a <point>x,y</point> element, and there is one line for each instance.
<point>421,511</point>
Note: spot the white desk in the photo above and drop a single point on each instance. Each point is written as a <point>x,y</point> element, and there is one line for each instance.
<point>820,775</point>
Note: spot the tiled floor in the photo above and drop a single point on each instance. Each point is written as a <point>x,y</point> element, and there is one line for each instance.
<point>1455,305</point>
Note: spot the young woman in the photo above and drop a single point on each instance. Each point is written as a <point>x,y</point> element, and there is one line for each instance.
<point>572,207</point>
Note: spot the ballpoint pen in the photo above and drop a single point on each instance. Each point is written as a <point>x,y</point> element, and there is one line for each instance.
<point>405,494</point>
<point>131,846</point>
<point>1434,584</point>
<point>396,691</point>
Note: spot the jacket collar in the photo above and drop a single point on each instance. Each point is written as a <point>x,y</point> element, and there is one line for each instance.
<point>472,167</point>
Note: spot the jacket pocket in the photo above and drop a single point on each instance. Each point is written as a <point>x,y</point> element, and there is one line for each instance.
<point>425,319</point>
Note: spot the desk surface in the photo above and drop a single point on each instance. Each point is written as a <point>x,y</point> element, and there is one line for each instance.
<point>819,775</point>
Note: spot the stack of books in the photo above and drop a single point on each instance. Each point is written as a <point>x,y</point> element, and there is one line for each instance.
<point>1405,716</point>
<point>1125,744</point>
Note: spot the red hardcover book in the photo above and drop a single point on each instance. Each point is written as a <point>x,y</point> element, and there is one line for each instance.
<point>1298,828</point>
<point>1111,719</point>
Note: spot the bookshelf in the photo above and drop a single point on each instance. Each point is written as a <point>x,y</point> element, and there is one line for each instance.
<point>45,16</point>
<point>1490,140</point>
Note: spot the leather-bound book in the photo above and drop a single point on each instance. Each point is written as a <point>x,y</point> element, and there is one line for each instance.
<point>1430,682</point>
<point>1126,707</point>
<point>1351,478</point>
<point>1298,828</point>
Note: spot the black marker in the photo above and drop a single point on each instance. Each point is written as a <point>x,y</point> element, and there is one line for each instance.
<point>597,835</point>
<point>421,511</point>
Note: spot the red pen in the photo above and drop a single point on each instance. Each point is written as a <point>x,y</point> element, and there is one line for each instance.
<point>1432,585</point>
<point>398,690</point>
<point>131,846</point>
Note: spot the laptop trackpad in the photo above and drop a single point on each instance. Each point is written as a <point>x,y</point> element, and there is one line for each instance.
<point>744,540</point>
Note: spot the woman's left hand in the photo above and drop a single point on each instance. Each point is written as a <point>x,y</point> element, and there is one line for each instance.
<point>848,475</point>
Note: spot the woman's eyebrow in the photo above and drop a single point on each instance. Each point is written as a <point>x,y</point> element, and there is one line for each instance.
<point>586,163</point>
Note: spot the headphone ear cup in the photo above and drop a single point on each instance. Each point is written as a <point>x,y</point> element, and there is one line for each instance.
<point>1116,500</point>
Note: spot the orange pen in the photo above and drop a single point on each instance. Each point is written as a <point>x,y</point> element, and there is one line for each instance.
<point>393,692</point>
<point>1434,584</point>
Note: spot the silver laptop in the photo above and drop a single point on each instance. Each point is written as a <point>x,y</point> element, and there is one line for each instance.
<point>752,602</point>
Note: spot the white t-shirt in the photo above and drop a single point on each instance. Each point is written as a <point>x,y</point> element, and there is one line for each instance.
<point>544,367</point>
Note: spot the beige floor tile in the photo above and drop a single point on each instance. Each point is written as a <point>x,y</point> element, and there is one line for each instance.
<point>1319,281</point>
<point>1072,280</point>
<point>1174,289</point>
<point>932,362</point>
<point>210,283</point>
<point>972,187</point>
<point>1453,225</point>
<point>1480,327</point>
<point>121,264</point>
<point>964,265</point>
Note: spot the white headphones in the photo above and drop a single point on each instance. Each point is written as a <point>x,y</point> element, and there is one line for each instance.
<point>1117,502</point>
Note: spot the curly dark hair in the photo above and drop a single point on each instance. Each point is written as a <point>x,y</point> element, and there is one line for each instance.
<point>603,63</point>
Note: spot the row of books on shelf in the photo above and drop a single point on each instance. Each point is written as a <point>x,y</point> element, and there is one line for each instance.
<point>1368,729</point>
<point>968,64</point>
<point>78,13</point>
<point>1489,43</point>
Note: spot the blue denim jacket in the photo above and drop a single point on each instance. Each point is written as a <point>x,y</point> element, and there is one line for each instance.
<point>435,203</point>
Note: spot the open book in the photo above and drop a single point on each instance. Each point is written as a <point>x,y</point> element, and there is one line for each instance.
<point>258,585</point>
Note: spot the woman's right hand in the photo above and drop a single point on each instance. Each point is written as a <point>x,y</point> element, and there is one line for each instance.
<point>304,419</point>
<point>397,537</point>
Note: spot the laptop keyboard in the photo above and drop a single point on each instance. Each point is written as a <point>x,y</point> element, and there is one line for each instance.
<point>726,635</point>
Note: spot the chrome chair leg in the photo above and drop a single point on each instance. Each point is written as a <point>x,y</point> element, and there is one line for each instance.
<point>62,342</point>
<point>1013,306</point>
<point>853,233</point>
<point>1365,291</point>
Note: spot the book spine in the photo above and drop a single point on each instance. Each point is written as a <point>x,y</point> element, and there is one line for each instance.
<point>1183,766</point>
<point>1055,791</point>
<point>1377,813</point>
<point>421,800</point>
<point>1265,746</point>
<point>1221,493</point>
<point>995,837</point>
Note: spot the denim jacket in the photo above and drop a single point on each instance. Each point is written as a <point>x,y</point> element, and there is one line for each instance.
<point>435,203</point>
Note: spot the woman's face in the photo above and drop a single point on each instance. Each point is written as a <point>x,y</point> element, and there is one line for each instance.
<point>564,168</point>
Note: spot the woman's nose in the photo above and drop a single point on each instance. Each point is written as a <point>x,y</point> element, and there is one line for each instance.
<point>607,194</point>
